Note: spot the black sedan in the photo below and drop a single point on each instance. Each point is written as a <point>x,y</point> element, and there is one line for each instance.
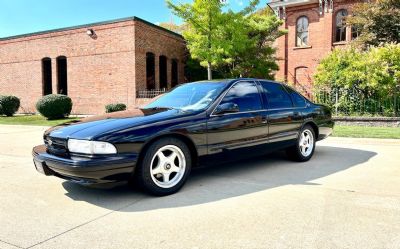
<point>194,124</point>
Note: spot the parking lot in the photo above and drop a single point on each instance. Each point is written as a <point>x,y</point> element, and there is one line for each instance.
<point>347,196</point>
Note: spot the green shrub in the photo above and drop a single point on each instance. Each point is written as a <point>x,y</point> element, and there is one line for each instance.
<point>366,81</point>
<point>54,106</point>
<point>9,105</point>
<point>115,107</point>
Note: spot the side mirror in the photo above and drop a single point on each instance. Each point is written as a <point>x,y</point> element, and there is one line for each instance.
<point>226,108</point>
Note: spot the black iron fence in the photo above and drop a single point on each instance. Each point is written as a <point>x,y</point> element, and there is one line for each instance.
<point>349,102</point>
<point>148,94</point>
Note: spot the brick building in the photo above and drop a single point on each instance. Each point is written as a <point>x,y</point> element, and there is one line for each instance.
<point>315,28</point>
<point>94,64</point>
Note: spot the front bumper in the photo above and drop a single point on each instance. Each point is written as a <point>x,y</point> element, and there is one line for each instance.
<point>84,170</point>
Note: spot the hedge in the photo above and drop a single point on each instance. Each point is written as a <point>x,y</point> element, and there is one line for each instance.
<point>9,105</point>
<point>54,106</point>
<point>115,107</point>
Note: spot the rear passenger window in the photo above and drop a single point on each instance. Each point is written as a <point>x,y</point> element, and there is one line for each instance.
<point>298,100</point>
<point>245,95</point>
<point>276,95</point>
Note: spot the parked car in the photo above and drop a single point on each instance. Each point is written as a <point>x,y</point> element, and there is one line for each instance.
<point>193,124</point>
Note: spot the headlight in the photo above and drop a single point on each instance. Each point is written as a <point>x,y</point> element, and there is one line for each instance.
<point>90,147</point>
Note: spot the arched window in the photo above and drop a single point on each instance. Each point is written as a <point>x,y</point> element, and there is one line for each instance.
<point>174,72</point>
<point>162,62</point>
<point>340,31</point>
<point>62,79</point>
<point>46,76</point>
<point>302,32</point>
<point>150,71</point>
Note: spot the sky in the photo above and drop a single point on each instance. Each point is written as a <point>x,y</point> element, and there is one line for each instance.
<point>27,16</point>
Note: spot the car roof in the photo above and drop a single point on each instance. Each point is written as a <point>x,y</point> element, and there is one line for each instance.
<point>231,81</point>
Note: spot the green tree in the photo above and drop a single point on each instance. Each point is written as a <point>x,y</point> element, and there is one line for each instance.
<point>234,43</point>
<point>256,57</point>
<point>204,19</point>
<point>377,22</point>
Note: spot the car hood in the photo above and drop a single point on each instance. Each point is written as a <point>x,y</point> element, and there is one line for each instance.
<point>90,127</point>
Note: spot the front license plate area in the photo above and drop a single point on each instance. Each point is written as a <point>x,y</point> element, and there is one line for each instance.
<point>42,168</point>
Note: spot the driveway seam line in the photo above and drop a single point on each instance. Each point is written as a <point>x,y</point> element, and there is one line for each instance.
<point>11,244</point>
<point>15,156</point>
<point>83,224</point>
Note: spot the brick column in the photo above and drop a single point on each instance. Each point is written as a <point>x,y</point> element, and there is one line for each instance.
<point>54,75</point>
<point>140,70</point>
<point>328,23</point>
<point>169,74</point>
<point>157,70</point>
<point>181,72</point>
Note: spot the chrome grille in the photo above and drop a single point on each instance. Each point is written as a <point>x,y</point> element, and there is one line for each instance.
<point>56,146</point>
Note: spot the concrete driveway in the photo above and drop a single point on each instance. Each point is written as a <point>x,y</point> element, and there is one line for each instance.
<point>347,196</point>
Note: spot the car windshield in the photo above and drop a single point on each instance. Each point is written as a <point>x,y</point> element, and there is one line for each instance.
<point>189,96</point>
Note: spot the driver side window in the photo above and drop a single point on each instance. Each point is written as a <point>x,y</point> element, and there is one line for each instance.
<point>245,95</point>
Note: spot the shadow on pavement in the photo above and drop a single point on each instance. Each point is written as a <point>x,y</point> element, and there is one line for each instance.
<point>226,181</point>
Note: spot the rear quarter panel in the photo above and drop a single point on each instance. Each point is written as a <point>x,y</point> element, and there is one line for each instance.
<point>323,119</point>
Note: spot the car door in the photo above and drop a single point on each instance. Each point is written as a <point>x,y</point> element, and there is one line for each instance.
<point>229,133</point>
<point>284,120</point>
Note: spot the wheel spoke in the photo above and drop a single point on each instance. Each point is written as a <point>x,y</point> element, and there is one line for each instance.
<point>172,157</point>
<point>156,170</point>
<point>161,158</point>
<point>175,168</point>
<point>303,138</point>
<point>166,177</point>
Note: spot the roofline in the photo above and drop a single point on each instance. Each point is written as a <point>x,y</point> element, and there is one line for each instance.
<point>290,3</point>
<point>132,18</point>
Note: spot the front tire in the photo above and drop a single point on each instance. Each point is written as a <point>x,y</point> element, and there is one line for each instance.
<point>165,167</point>
<point>304,148</point>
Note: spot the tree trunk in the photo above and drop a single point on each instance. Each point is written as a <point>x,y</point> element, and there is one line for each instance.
<point>209,72</point>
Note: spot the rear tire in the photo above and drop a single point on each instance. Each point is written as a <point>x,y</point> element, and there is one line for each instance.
<point>304,148</point>
<point>165,167</point>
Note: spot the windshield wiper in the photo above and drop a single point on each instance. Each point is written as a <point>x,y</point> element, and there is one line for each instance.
<point>162,107</point>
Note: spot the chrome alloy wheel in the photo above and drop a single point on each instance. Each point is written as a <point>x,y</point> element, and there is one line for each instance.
<point>306,143</point>
<point>168,166</point>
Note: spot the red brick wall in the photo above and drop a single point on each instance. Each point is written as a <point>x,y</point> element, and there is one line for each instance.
<point>150,39</point>
<point>301,63</point>
<point>100,71</point>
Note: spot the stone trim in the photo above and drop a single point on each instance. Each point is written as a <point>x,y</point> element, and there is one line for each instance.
<point>367,119</point>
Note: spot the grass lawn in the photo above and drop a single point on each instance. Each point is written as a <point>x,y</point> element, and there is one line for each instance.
<point>366,132</point>
<point>32,120</point>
